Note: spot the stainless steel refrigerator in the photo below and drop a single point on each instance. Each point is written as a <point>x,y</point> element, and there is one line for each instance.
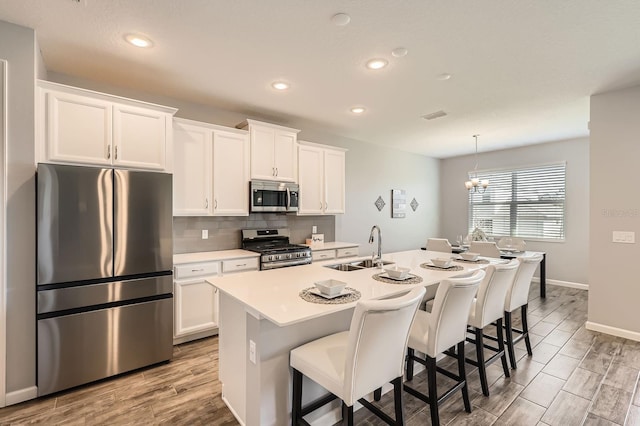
<point>104,278</point>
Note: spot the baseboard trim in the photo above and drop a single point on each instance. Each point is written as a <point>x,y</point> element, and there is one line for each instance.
<point>614,331</point>
<point>563,283</point>
<point>22,395</point>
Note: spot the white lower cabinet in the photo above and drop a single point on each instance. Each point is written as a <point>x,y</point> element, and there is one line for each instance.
<point>195,301</point>
<point>335,253</point>
<point>318,255</point>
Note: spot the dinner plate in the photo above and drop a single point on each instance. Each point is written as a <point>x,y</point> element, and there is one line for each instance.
<point>317,292</point>
<point>386,275</point>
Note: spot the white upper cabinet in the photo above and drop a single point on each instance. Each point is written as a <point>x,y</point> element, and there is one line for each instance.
<point>192,178</point>
<point>85,127</point>
<point>230,174</point>
<point>211,170</point>
<point>273,151</point>
<point>321,176</point>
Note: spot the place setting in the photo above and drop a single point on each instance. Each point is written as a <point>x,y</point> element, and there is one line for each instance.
<point>441,264</point>
<point>470,258</point>
<point>330,292</point>
<point>397,275</point>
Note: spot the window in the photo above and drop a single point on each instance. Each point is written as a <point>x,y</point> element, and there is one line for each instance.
<point>526,202</point>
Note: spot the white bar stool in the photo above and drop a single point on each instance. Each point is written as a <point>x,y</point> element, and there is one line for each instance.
<point>433,332</point>
<point>354,363</point>
<point>486,309</point>
<point>518,297</point>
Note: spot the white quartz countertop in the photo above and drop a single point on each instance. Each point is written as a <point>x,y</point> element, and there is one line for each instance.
<point>333,246</point>
<point>210,256</point>
<point>274,294</point>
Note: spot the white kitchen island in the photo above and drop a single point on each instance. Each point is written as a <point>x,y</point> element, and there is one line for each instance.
<point>262,318</point>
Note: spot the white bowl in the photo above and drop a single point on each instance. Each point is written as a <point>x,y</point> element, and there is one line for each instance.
<point>397,272</point>
<point>470,256</point>
<point>441,262</point>
<point>330,287</point>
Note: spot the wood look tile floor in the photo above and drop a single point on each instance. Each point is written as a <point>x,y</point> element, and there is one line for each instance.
<point>575,377</point>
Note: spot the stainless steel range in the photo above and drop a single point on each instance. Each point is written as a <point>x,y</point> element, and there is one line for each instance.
<point>274,248</point>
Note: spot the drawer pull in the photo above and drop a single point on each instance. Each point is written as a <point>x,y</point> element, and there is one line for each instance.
<point>197,270</point>
<point>241,264</point>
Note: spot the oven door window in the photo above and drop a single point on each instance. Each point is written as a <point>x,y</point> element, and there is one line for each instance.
<point>266,198</point>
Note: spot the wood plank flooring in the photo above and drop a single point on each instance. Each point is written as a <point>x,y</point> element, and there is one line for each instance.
<point>575,377</point>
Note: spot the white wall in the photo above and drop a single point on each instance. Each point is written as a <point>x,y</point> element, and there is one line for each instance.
<point>566,261</point>
<point>371,171</point>
<point>614,290</point>
<point>17,46</point>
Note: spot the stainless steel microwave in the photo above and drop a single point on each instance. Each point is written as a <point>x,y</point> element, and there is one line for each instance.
<point>269,196</point>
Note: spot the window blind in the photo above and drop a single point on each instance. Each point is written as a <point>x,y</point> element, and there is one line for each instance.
<point>525,202</point>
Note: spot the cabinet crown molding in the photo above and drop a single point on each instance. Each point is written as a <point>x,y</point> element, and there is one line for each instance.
<point>249,122</point>
<point>211,126</point>
<point>318,145</point>
<point>44,84</point>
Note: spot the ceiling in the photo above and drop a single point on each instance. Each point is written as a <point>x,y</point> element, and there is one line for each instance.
<point>521,71</point>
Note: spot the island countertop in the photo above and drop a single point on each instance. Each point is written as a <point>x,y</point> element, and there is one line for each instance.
<point>274,294</point>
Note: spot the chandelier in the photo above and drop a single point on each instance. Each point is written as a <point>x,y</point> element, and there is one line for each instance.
<point>475,184</point>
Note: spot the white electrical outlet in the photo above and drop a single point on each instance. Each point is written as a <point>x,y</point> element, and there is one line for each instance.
<point>252,351</point>
<point>314,229</point>
<point>205,234</point>
<point>625,237</point>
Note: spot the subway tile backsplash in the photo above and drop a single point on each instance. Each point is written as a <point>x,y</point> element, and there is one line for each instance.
<point>224,232</point>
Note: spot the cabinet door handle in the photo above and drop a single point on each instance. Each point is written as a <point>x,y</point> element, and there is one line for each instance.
<point>116,148</point>
<point>273,171</point>
<point>276,171</point>
<point>215,203</point>
<point>326,206</point>
<point>109,152</point>
<point>206,203</point>
<point>320,205</point>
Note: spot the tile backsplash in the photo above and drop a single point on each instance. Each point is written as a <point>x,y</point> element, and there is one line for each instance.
<point>224,232</point>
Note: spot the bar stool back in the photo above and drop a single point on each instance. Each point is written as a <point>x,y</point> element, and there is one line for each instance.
<point>439,244</point>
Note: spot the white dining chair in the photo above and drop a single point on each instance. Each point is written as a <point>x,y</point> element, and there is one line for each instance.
<point>518,297</point>
<point>488,308</point>
<point>485,248</point>
<point>439,244</point>
<point>354,363</point>
<point>434,332</point>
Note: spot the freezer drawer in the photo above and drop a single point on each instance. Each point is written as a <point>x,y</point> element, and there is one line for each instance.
<point>60,299</point>
<point>81,348</point>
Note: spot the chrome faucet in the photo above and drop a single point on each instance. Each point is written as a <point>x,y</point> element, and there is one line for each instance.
<point>373,256</point>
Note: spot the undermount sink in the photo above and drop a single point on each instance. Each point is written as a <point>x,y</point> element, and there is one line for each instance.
<point>356,266</point>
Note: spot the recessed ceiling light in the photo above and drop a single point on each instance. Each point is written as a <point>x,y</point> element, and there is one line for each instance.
<point>399,52</point>
<point>443,77</point>
<point>376,64</point>
<point>280,85</point>
<point>357,110</point>
<point>341,19</point>
<point>138,40</point>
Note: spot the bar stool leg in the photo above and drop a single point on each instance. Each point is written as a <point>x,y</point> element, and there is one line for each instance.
<point>410,355</point>
<point>482,368</point>
<point>347,415</point>
<point>463,376</point>
<point>398,400</point>
<point>525,328</point>
<point>296,408</point>
<point>433,390</point>
<point>510,347</point>
<point>500,337</point>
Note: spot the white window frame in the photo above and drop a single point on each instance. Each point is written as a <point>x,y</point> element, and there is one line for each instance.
<point>511,221</point>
